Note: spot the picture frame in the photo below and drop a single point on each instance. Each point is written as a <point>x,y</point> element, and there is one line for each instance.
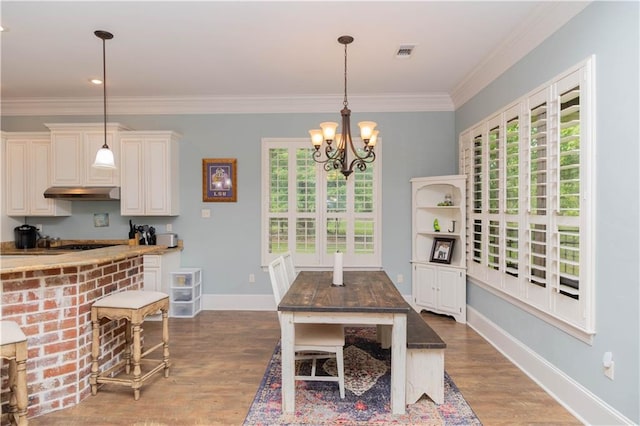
<point>219,180</point>
<point>442,250</point>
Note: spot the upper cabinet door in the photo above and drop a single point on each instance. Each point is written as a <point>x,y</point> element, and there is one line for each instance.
<point>73,151</point>
<point>132,177</point>
<point>66,158</point>
<point>16,178</point>
<point>27,159</point>
<point>149,174</point>
<point>93,141</point>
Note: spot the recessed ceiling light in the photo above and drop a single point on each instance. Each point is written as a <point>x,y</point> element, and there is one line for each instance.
<point>96,81</point>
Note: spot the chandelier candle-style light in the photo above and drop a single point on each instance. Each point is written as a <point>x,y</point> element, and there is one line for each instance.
<point>104,156</point>
<point>337,154</point>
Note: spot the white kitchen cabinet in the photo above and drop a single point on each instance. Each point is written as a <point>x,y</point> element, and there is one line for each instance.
<point>440,289</point>
<point>439,285</point>
<point>157,271</point>
<point>73,151</point>
<point>149,175</point>
<point>27,158</point>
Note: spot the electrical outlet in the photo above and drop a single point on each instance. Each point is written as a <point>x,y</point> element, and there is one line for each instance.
<point>608,364</point>
<point>400,278</point>
<point>206,213</point>
<point>168,227</point>
<point>252,278</point>
<point>609,371</point>
<point>39,227</point>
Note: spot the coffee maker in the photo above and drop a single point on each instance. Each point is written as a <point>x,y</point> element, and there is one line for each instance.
<point>25,236</point>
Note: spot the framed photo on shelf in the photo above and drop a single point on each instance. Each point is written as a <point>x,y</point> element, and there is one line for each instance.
<point>442,250</point>
<point>219,180</point>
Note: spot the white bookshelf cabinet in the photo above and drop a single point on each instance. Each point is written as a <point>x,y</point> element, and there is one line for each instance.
<point>437,285</point>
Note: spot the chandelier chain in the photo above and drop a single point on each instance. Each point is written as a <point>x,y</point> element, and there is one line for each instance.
<point>345,103</point>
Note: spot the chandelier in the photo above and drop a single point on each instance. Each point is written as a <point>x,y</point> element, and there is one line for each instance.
<point>104,156</point>
<point>337,154</point>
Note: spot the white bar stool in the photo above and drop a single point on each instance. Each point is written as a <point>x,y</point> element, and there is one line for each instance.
<point>133,306</point>
<point>14,348</point>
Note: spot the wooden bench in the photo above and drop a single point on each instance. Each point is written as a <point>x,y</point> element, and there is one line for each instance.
<point>425,359</point>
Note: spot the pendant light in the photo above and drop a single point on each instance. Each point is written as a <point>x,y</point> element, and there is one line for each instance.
<point>104,157</point>
<point>337,156</point>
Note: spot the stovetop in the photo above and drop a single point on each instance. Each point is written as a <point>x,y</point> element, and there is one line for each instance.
<point>81,246</point>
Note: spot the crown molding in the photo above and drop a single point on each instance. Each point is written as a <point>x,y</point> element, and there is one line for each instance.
<point>225,105</point>
<point>546,19</point>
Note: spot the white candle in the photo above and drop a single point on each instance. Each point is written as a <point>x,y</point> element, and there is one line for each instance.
<point>337,268</point>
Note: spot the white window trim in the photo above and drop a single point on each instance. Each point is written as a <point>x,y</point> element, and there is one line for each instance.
<point>495,283</point>
<point>322,260</point>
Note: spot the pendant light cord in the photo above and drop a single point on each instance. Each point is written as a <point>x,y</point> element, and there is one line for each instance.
<point>104,90</point>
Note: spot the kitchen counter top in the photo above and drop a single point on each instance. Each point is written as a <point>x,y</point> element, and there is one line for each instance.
<point>39,258</point>
<point>50,296</point>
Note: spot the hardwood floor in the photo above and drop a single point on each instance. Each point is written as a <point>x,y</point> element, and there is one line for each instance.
<point>219,358</point>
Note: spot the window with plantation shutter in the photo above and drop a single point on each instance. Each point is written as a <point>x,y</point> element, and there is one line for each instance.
<point>477,191</point>
<point>512,158</point>
<point>313,213</point>
<point>529,219</point>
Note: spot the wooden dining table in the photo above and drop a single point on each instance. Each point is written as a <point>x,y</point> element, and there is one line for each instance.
<point>367,297</point>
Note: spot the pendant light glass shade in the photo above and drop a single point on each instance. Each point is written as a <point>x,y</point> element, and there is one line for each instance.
<point>104,159</point>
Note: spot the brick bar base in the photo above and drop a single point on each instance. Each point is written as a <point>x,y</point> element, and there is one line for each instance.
<point>53,308</point>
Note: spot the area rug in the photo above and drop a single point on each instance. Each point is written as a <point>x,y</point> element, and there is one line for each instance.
<point>367,399</point>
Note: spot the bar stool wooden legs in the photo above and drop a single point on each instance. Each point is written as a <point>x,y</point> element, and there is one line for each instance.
<point>14,348</point>
<point>132,306</point>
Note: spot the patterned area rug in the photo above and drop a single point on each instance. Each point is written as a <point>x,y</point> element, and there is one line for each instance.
<point>367,401</point>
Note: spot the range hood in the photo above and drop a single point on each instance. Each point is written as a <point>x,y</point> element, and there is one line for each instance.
<point>83,193</point>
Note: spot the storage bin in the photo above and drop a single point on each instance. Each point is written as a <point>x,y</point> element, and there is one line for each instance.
<point>182,280</point>
<point>186,291</point>
<point>182,295</point>
<point>182,310</point>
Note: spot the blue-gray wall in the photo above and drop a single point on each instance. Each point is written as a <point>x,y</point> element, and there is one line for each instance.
<point>610,31</point>
<point>227,246</point>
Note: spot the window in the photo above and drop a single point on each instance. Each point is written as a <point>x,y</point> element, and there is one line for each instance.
<point>314,213</point>
<point>529,216</point>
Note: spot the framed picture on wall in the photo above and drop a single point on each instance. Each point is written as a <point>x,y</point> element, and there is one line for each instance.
<point>442,250</point>
<point>219,180</point>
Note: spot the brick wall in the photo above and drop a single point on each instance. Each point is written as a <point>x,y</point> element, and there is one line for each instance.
<point>53,308</point>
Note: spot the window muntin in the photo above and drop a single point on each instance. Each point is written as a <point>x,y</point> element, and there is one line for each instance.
<point>512,160</point>
<point>494,170</point>
<point>477,174</point>
<point>538,160</point>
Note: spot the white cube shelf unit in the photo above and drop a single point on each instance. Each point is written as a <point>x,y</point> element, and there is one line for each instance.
<point>439,283</point>
<point>186,292</point>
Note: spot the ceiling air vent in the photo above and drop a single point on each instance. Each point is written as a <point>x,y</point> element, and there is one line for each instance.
<point>405,51</point>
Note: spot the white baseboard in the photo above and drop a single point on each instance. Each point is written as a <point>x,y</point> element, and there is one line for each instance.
<point>238,302</point>
<point>581,402</point>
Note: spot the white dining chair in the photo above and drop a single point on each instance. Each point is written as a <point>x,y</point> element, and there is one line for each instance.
<point>312,341</point>
<point>288,266</point>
